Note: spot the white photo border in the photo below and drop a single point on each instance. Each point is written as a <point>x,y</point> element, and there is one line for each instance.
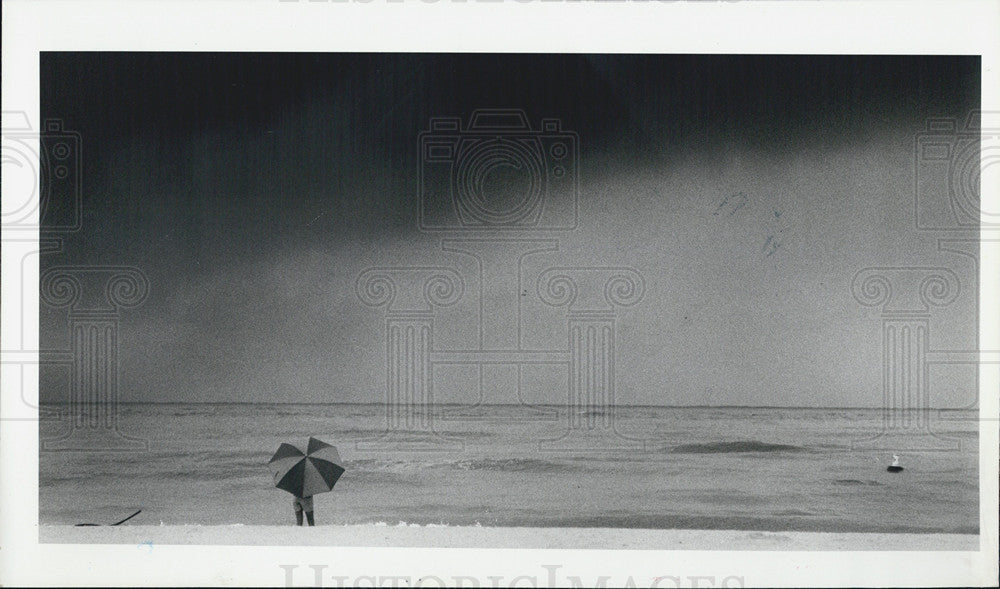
<point>958,27</point>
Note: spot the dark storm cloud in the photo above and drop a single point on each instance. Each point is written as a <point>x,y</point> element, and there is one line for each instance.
<point>247,137</point>
<point>252,188</point>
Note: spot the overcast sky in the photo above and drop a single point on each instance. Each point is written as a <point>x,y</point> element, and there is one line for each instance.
<point>252,189</point>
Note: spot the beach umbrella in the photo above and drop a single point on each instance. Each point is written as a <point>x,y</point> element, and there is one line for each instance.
<point>308,473</point>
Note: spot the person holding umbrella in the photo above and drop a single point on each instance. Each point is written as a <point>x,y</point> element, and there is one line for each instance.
<point>304,474</point>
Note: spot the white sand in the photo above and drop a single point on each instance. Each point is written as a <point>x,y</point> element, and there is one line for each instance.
<point>485,537</point>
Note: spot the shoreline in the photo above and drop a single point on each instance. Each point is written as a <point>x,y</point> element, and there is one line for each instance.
<point>413,536</point>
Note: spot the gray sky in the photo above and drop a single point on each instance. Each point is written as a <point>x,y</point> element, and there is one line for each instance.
<point>253,189</point>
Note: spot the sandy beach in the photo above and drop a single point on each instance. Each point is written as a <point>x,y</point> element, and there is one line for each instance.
<point>496,537</point>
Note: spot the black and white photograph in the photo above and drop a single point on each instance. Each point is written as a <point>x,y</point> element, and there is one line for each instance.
<point>692,309</point>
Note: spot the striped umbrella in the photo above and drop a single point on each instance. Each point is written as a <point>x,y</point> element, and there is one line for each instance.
<point>305,474</point>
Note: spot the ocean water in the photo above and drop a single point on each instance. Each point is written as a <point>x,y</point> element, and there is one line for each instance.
<point>659,467</point>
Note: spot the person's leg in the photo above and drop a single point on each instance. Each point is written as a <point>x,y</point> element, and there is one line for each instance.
<point>298,517</point>
<point>307,506</point>
<point>309,517</point>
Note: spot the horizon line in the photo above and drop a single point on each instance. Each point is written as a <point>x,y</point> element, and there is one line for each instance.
<point>537,405</point>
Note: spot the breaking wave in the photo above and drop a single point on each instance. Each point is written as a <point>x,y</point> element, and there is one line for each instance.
<point>735,447</point>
